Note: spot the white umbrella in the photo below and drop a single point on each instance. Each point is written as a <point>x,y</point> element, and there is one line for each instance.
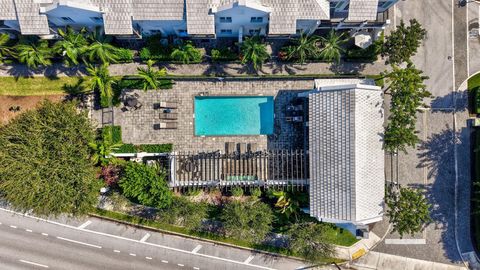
<point>363,40</point>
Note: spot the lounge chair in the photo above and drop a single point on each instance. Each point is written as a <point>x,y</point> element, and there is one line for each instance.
<point>242,148</point>
<point>168,116</point>
<point>165,125</point>
<point>229,147</point>
<point>171,105</point>
<point>296,119</point>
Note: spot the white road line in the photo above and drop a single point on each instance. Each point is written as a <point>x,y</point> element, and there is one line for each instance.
<point>181,265</point>
<point>12,226</point>
<point>134,240</point>
<point>163,261</point>
<point>84,225</point>
<point>116,251</point>
<point>196,249</point>
<point>28,230</point>
<point>249,259</point>
<point>405,241</point>
<point>44,234</point>
<point>132,254</point>
<point>148,258</point>
<point>78,242</point>
<point>196,268</point>
<point>145,237</point>
<point>33,263</point>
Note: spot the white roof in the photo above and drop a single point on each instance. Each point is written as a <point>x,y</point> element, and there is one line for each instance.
<point>345,151</point>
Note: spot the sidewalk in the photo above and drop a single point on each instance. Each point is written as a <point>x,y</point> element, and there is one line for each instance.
<point>377,260</point>
<point>207,69</point>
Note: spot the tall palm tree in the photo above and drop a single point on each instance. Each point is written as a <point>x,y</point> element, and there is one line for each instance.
<point>101,81</point>
<point>186,53</point>
<point>304,47</point>
<point>332,46</point>
<point>150,77</point>
<point>5,49</point>
<point>254,51</point>
<point>72,46</point>
<point>34,53</point>
<point>100,48</point>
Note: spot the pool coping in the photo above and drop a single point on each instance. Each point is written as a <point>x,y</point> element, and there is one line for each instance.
<point>230,136</point>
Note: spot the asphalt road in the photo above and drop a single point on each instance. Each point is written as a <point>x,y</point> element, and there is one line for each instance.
<point>30,243</point>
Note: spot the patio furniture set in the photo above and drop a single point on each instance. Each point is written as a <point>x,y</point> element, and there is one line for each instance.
<point>131,102</point>
<point>167,115</point>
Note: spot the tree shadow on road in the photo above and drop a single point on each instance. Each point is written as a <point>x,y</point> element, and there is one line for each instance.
<point>447,101</point>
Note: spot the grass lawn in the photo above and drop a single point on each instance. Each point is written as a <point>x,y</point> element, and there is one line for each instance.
<point>37,86</point>
<point>473,87</point>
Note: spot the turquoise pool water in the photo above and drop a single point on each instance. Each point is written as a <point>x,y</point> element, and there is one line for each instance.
<point>233,115</point>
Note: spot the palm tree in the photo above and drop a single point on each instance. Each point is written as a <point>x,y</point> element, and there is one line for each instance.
<point>102,151</point>
<point>254,51</point>
<point>5,50</point>
<point>150,77</point>
<point>304,47</point>
<point>102,81</point>
<point>72,46</point>
<point>100,49</point>
<point>34,54</point>
<point>186,53</point>
<point>332,46</point>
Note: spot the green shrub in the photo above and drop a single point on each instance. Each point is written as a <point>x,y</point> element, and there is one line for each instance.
<point>149,148</point>
<point>124,55</point>
<point>187,53</point>
<point>237,192</point>
<point>145,54</point>
<point>114,132</point>
<point>184,213</point>
<point>104,101</point>
<point>223,54</point>
<point>132,83</point>
<point>369,54</point>
<point>193,192</point>
<point>250,221</point>
<point>256,192</point>
<point>156,54</point>
<point>146,184</point>
<point>126,148</point>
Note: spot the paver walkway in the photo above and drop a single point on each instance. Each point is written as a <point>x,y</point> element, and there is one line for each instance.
<point>208,69</point>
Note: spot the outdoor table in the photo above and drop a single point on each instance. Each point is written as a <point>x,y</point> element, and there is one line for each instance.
<point>131,102</point>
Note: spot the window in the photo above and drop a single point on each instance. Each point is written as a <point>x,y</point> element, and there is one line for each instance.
<point>225,19</point>
<point>182,31</point>
<point>384,4</point>
<point>97,19</point>
<point>254,31</point>
<point>67,19</point>
<point>256,19</point>
<point>226,31</point>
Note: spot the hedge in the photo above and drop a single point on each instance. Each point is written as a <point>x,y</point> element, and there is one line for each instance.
<point>149,148</point>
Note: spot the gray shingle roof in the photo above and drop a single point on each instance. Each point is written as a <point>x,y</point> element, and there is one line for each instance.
<point>158,9</point>
<point>346,155</point>
<point>30,20</point>
<point>199,19</point>
<point>117,18</point>
<point>362,10</point>
<point>7,10</point>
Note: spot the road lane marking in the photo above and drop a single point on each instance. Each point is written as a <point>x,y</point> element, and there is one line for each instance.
<point>44,234</point>
<point>196,268</point>
<point>196,249</point>
<point>145,237</point>
<point>116,251</point>
<point>181,265</point>
<point>78,242</point>
<point>34,263</point>
<point>148,258</point>
<point>405,241</point>
<point>28,230</point>
<point>132,254</point>
<point>84,225</point>
<point>134,240</point>
<point>163,261</point>
<point>249,259</point>
<point>12,226</point>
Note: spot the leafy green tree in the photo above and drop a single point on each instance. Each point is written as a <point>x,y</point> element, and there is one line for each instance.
<point>254,51</point>
<point>237,192</point>
<point>151,78</point>
<point>408,210</point>
<point>102,150</point>
<point>5,49</point>
<point>403,42</point>
<point>146,184</point>
<point>332,46</point>
<point>286,204</point>
<point>304,47</point>
<point>186,53</point>
<point>100,49</point>
<point>407,90</point>
<point>34,53</point>
<point>185,213</point>
<point>45,164</point>
<point>310,241</point>
<point>72,45</point>
<point>102,81</point>
<point>250,221</point>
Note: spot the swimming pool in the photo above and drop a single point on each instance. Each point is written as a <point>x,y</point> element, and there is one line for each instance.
<point>233,115</point>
